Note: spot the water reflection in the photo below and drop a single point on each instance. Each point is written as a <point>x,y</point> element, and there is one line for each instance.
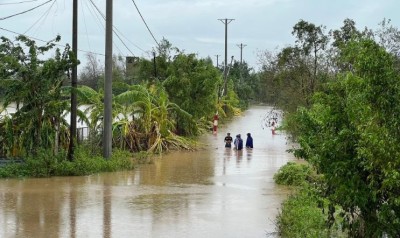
<point>239,156</point>
<point>72,211</point>
<point>227,157</point>
<point>107,211</point>
<point>249,153</point>
<point>215,192</point>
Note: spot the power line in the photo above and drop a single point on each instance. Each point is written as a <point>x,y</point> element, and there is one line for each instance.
<point>34,38</point>
<point>14,3</point>
<point>94,15</point>
<point>20,13</point>
<point>114,27</point>
<point>151,33</point>
<point>40,18</point>
<point>84,21</point>
<point>128,39</point>
<point>100,22</point>
<point>115,30</point>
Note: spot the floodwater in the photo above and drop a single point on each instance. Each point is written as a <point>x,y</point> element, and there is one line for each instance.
<point>215,192</point>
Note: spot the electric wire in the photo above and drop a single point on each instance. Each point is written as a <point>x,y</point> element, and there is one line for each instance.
<point>94,15</point>
<point>129,40</point>
<point>37,39</point>
<point>23,12</point>
<point>95,9</point>
<point>104,18</point>
<point>86,29</point>
<point>14,3</point>
<point>144,21</point>
<point>44,16</point>
<point>103,25</point>
<point>123,42</point>
<point>99,21</point>
<point>114,29</point>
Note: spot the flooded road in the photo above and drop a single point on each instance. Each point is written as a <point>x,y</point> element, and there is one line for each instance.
<point>215,192</point>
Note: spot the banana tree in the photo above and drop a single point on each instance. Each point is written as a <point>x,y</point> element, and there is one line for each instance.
<point>148,118</point>
<point>35,86</point>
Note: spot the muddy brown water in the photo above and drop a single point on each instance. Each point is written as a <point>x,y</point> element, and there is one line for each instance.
<point>215,192</point>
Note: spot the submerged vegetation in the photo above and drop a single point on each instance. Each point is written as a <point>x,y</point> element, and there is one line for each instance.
<point>45,164</point>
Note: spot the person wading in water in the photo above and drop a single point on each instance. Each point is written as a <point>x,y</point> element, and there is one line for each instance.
<point>249,141</point>
<point>228,140</point>
<point>238,143</point>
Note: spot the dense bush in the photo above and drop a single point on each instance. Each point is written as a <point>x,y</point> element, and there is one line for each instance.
<point>293,174</point>
<point>45,164</point>
<point>302,215</point>
<point>305,212</point>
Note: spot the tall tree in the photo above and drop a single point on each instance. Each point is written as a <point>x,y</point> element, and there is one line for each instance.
<point>311,40</point>
<point>351,136</point>
<point>244,82</point>
<point>92,72</point>
<point>193,85</point>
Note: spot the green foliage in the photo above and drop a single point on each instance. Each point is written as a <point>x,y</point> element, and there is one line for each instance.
<point>147,119</point>
<point>244,83</point>
<point>35,86</point>
<point>293,174</point>
<point>46,164</point>
<point>351,136</point>
<point>193,85</point>
<point>42,164</point>
<point>311,38</point>
<point>341,103</point>
<point>302,216</point>
<point>14,170</point>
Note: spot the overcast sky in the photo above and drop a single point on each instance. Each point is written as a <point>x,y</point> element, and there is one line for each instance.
<point>190,25</point>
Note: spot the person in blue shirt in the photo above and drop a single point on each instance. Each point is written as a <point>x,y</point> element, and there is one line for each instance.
<point>238,143</point>
<point>249,141</point>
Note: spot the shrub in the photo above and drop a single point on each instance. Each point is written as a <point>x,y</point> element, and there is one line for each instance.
<point>13,170</point>
<point>45,164</point>
<point>293,174</point>
<point>304,215</point>
<point>86,163</point>
<point>301,217</point>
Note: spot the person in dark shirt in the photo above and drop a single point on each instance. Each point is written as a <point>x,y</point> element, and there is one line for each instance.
<point>228,140</point>
<point>249,141</point>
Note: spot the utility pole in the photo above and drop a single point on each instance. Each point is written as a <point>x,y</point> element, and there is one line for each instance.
<point>226,22</point>
<point>217,60</point>
<point>107,124</point>
<point>74,81</point>
<point>155,66</point>
<point>241,46</point>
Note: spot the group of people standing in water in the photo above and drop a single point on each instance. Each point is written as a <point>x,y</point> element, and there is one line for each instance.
<point>238,142</point>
